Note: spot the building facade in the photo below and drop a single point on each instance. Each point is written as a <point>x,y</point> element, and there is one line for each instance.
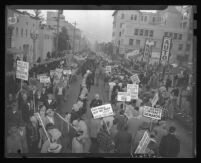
<point>21,33</point>
<point>132,28</point>
<point>46,41</point>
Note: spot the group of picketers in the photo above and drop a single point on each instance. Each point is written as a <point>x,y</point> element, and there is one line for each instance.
<point>36,123</point>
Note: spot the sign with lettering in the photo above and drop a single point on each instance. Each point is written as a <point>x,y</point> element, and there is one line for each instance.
<point>108,69</point>
<point>39,75</point>
<point>102,111</point>
<point>132,89</point>
<point>135,78</point>
<point>123,96</point>
<point>151,112</point>
<point>143,143</point>
<point>165,51</point>
<point>44,79</point>
<point>22,70</point>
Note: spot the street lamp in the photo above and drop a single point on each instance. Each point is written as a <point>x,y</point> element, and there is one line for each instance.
<point>34,35</point>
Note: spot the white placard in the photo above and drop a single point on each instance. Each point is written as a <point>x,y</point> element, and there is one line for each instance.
<point>44,79</point>
<point>132,89</point>
<point>22,70</point>
<point>123,96</point>
<point>102,111</point>
<point>154,100</point>
<point>165,51</point>
<point>67,72</point>
<point>108,69</point>
<point>39,75</point>
<point>151,112</point>
<point>143,143</point>
<point>135,78</point>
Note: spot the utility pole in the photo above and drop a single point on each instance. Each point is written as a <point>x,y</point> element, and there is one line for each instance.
<point>58,18</point>
<point>74,37</point>
<point>57,42</point>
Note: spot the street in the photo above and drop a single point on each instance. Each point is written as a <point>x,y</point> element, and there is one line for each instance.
<point>183,134</point>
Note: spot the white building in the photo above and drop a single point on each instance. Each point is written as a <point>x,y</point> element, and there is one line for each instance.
<point>131,28</point>
<point>21,33</point>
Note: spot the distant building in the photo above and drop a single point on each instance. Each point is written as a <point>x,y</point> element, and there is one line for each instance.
<point>132,27</point>
<point>74,33</point>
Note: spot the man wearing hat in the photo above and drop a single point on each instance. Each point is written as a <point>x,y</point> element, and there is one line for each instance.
<point>170,144</point>
<point>50,103</point>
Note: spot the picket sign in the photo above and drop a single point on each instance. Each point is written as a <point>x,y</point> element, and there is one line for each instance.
<point>67,72</point>
<point>151,112</point>
<point>22,70</point>
<point>39,75</point>
<point>135,78</point>
<point>132,89</point>
<point>143,143</point>
<point>108,69</point>
<point>102,111</point>
<point>155,99</point>
<point>44,79</point>
<point>43,126</point>
<point>123,96</point>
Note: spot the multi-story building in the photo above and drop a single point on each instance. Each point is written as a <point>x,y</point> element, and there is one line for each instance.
<point>21,33</point>
<point>46,41</point>
<point>132,28</point>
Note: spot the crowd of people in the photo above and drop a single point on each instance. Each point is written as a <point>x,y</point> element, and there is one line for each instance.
<point>36,123</point>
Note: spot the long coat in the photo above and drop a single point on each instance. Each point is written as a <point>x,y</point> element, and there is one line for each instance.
<point>169,146</point>
<point>123,142</point>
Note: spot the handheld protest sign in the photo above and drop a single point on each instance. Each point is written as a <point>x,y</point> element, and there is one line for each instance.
<point>123,96</point>
<point>37,114</point>
<point>108,69</point>
<point>133,89</point>
<point>151,112</point>
<point>143,143</point>
<point>135,78</point>
<point>44,79</point>
<point>102,111</point>
<point>22,70</point>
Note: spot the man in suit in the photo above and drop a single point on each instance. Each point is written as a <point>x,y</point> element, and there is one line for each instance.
<point>170,144</point>
<point>44,94</point>
<point>96,102</point>
<point>50,103</point>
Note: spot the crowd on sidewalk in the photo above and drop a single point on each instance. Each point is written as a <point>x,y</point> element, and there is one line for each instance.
<point>36,124</point>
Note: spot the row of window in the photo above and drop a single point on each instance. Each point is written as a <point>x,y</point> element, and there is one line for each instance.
<point>173,35</point>
<point>143,32</point>
<point>131,41</point>
<point>22,32</point>
<point>26,33</point>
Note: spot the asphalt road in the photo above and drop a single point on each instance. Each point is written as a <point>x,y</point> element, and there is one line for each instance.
<point>183,134</point>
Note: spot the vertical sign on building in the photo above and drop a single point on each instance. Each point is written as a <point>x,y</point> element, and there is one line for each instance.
<point>165,51</point>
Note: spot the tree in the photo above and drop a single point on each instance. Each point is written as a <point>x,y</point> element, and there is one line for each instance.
<point>37,14</point>
<point>63,40</point>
